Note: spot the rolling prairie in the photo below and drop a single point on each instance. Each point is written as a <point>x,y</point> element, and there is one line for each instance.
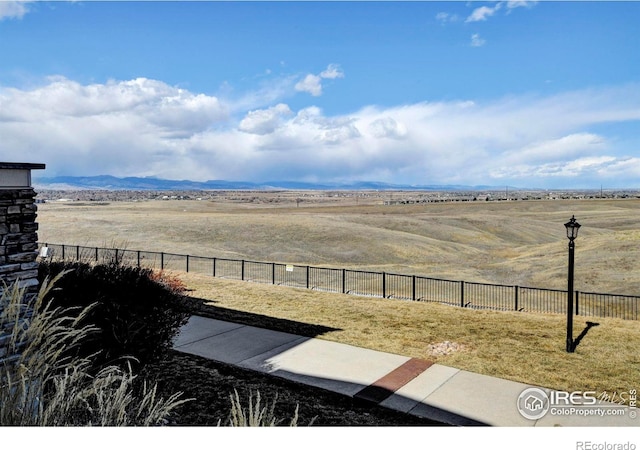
<point>511,242</point>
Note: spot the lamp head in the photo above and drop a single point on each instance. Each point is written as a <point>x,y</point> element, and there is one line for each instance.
<point>572,227</point>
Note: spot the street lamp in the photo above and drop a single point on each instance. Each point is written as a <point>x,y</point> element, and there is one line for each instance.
<point>572,233</point>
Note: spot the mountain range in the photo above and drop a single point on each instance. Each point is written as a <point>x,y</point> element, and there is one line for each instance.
<point>109,182</point>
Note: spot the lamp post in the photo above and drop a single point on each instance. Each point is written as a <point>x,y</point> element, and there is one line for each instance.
<point>572,233</point>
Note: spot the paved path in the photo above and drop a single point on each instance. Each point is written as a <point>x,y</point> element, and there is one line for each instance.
<point>410,385</point>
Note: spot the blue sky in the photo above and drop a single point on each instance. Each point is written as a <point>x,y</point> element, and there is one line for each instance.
<point>518,93</point>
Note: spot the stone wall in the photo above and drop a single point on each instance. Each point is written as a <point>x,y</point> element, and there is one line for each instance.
<point>18,245</point>
<point>18,238</point>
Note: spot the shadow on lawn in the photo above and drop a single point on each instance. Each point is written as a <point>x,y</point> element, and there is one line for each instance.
<point>268,366</point>
<point>581,336</point>
<point>206,308</point>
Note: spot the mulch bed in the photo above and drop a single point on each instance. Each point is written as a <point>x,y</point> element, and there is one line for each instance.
<point>211,384</point>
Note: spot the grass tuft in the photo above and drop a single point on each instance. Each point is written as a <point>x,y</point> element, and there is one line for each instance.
<point>256,415</point>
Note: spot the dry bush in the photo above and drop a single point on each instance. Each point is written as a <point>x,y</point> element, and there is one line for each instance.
<point>40,384</point>
<point>169,280</point>
<point>135,316</point>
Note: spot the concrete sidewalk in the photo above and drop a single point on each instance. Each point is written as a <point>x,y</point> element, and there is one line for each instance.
<point>409,385</point>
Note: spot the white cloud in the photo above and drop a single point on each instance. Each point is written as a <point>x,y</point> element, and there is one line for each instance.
<point>477,41</point>
<point>512,4</point>
<point>586,167</point>
<point>567,156</point>
<point>572,145</point>
<point>338,131</point>
<point>332,71</point>
<point>624,167</point>
<point>109,127</point>
<point>272,90</point>
<point>264,121</point>
<point>387,127</point>
<point>444,17</point>
<point>162,105</point>
<point>312,84</point>
<point>483,12</point>
<point>309,114</point>
<point>13,9</point>
<point>145,127</point>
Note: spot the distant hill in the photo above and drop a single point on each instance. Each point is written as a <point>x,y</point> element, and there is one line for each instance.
<point>109,182</point>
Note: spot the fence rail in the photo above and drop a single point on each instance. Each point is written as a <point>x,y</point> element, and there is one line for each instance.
<point>365,283</point>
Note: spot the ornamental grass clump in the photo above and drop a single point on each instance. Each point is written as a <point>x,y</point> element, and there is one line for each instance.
<point>256,415</point>
<point>42,381</point>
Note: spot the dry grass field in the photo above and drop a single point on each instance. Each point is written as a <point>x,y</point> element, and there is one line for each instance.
<point>524,347</point>
<point>517,242</point>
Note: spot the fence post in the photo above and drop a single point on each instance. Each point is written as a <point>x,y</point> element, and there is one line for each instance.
<point>413,288</point>
<point>545,303</point>
<point>344,280</point>
<point>242,271</point>
<point>384,285</point>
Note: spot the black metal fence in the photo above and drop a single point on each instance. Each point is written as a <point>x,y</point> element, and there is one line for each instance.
<point>365,283</point>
